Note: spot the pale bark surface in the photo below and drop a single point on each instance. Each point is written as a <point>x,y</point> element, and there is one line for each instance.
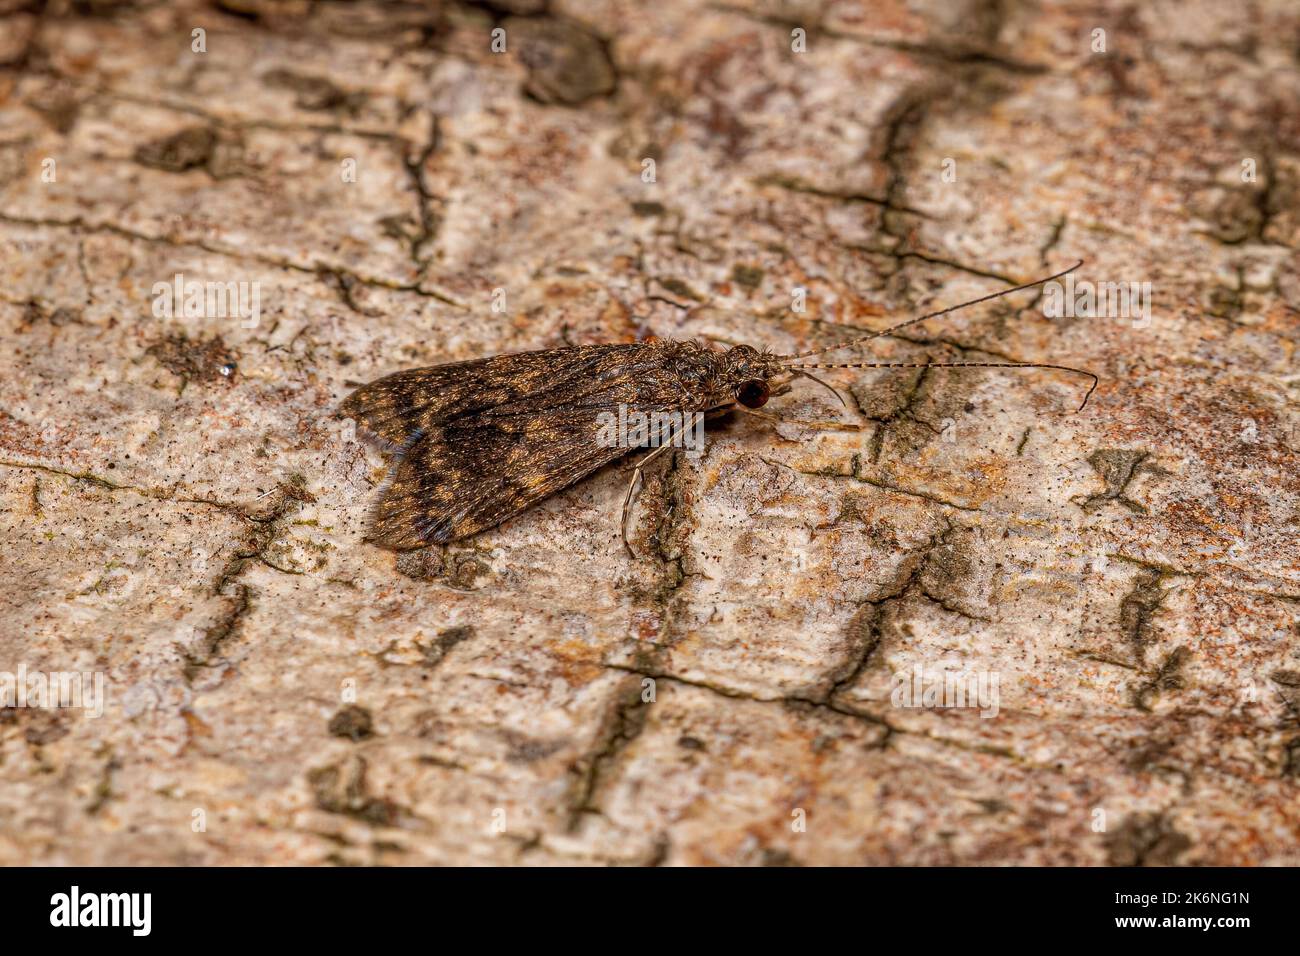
<point>179,512</point>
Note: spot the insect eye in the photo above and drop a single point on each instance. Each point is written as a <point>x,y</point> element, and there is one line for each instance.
<point>752,394</point>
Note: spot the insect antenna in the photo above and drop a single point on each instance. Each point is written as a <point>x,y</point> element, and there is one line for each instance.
<point>826,385</point>
<point>929,315</point>
<point>1059,368</point>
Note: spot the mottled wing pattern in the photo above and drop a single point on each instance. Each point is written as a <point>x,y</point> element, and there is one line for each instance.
<point>467,477</point>
<point>483,441</point>
<point>398,408</point>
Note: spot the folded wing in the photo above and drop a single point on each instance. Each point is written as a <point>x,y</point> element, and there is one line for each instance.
<point>398,408</point>
<point>475,473</point>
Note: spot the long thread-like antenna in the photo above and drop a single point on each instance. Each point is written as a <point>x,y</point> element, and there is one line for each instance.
<point>1059,368</point>
<point>929,315</point>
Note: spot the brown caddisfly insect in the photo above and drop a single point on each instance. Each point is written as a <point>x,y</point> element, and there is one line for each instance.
<point>478,442</point>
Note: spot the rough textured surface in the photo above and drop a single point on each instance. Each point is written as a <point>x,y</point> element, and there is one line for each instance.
<point>180,512</point>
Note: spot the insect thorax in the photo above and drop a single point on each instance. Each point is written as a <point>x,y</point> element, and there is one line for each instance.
<point>708,377</point>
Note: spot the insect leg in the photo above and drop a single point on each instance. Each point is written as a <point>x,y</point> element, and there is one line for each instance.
<point>631,489</point>
<point>638,469</point>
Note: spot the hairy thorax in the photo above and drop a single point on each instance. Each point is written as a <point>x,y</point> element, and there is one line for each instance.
<point>708,377</point>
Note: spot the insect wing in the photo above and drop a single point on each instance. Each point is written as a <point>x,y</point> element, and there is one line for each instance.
<point>471,475</point>
<point>399,408</point>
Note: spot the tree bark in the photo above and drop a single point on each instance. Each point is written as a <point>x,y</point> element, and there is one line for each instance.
<point>1115,592</point>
